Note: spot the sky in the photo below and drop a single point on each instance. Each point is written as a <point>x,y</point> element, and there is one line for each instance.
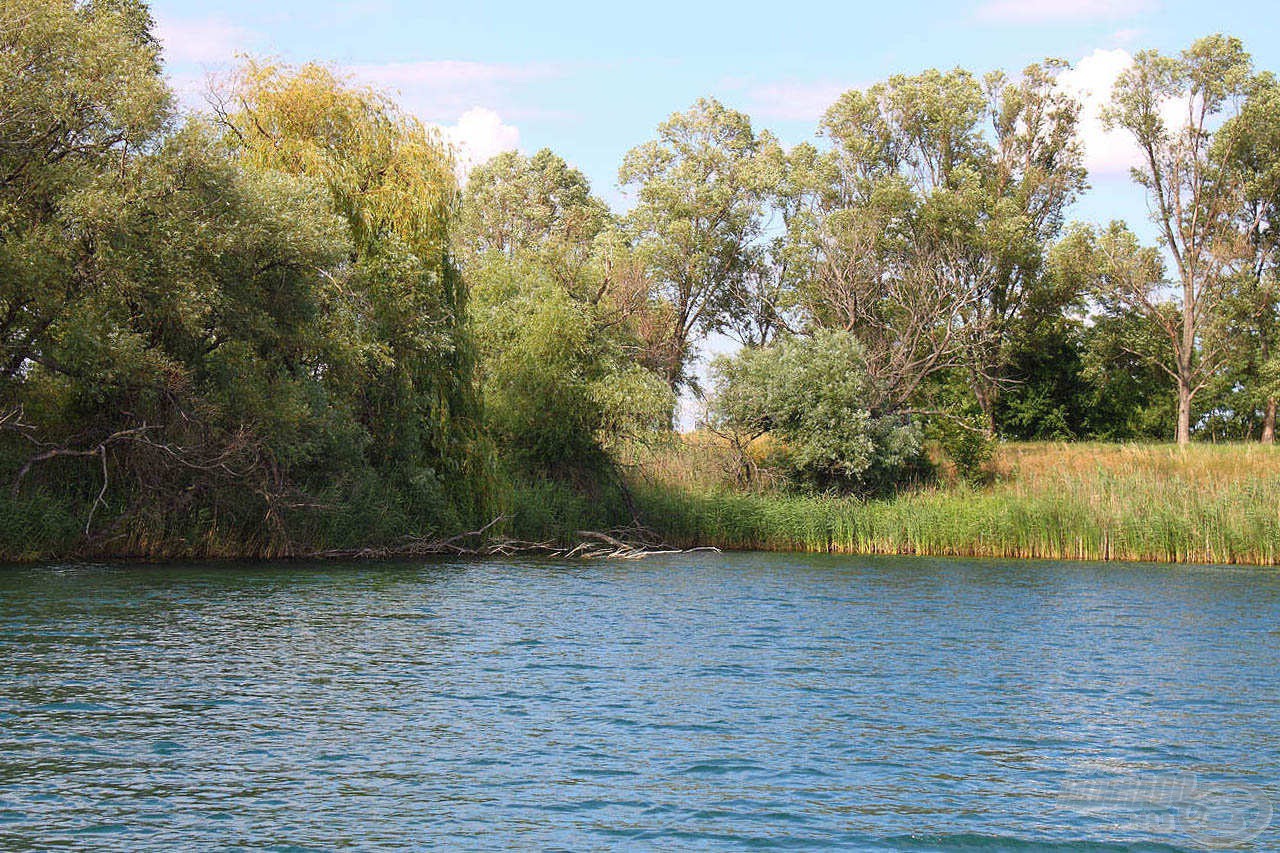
<point>590,80</point>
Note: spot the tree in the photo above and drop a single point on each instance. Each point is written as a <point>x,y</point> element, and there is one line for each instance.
<point>559,385</point>
<point>533,236</point>
<point>400,299</point>
<point>1193,194</point>
<point>515,204</point>
<point>814,395</point>
<point>1250,144</point>
<point>191,374</point>
<point>81,98</point>
<point>1036,172</point>
<point>702,186</point>
<point>1138,326</point>
<point>925,228</point>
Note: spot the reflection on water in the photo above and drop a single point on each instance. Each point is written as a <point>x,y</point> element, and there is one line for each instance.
<point>690,702</point>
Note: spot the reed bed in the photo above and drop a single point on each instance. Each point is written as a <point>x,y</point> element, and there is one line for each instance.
<point>1203,504</point>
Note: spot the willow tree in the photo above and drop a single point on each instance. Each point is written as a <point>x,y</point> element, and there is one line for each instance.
<point>81,98</point>
<point>159,301</point>
<point>702,186</point>
<point>1193,193</point>
<point>398,305</point>
<point>928,220</point>
<point>560,309</point>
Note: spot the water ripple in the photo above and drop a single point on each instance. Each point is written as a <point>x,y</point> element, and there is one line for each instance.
<point>716,702</point>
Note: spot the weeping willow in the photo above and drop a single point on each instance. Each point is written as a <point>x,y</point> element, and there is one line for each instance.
<point>397,307</point>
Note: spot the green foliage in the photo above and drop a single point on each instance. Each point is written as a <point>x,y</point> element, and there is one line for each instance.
<point>239,336</point>
<point>702,185</point>
<point>556,317</point>
<point>80,98</point>
<point>515,204</point>
<point>812,394</point>
<point>557,386</point>
<point>924,229</point>
<point>247,332</point>
<point>960,429</point>
<point>401,302</point>
<point>1193,189</point>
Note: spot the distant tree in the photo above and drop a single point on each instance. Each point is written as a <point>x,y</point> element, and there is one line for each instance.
<point>1136,326</point>
<point>1194,195</point>
<point>702,186</point>
<point>521,205</point>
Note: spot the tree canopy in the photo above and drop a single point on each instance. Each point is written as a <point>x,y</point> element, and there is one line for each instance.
<point>283,321</point>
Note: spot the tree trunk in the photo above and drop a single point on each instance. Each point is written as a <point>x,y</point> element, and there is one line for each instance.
<point>986,394</point>
<point>1269,422</point>
<point>1184,413</point>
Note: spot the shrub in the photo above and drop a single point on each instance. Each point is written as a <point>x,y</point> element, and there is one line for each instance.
<point>813,393</point>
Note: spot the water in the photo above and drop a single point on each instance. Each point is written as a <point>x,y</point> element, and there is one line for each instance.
<point>701,701</point>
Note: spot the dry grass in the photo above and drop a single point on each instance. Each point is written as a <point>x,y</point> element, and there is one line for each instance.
<point>1205,464</point>
<point>1206,503</point>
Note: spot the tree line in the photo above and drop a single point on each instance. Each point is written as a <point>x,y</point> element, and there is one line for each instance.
<point>282,320</point>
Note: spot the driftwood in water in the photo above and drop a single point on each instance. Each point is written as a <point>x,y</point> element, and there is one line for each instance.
<point>630,543</point>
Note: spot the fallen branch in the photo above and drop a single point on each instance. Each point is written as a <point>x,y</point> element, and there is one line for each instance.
<point>632,543</point>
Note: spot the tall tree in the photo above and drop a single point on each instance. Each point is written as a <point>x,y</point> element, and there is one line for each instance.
<point>538,215</point>
<point>928,220</point>
<point>1136,326</point>
<point>1250,143</point>
<point>516,204</point>
<point>702,186</point>
<point>400,297</point>
<point>81,98</point>
<point>1193,193</point>
<point>1036,170</point>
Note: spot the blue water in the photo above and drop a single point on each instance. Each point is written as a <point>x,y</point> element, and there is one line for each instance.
<point>694,702</point>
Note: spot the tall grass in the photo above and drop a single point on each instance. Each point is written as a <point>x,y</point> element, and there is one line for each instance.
<point>1205,503</point>
<point>1217,504</point>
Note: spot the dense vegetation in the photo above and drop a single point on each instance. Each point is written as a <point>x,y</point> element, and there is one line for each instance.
<point>1075,501</point>
<point>282,325</point>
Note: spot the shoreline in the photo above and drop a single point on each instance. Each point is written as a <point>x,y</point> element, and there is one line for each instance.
<point>1209,504</point>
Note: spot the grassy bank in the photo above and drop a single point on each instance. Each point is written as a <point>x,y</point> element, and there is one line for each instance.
<point>1207,503</point>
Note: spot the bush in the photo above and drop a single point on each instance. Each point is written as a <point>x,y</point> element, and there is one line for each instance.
<point>813,393</point>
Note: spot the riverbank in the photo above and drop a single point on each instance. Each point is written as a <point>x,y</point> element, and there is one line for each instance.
<point>1202,504</point>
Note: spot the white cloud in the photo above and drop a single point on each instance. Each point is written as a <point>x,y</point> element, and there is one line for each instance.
<point>203,41</point>
<point>437,90</point>
<point>1108,152</point>
<point>793,101</point>
<point>1056,11</point>
<point>478,135</point>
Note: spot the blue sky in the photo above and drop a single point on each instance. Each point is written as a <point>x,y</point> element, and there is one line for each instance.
<point>590,80</point>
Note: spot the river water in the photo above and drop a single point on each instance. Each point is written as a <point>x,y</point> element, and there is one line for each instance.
<point>701,701</point>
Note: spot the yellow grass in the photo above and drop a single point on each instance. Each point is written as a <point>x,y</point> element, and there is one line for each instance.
<point>1205,503</point>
